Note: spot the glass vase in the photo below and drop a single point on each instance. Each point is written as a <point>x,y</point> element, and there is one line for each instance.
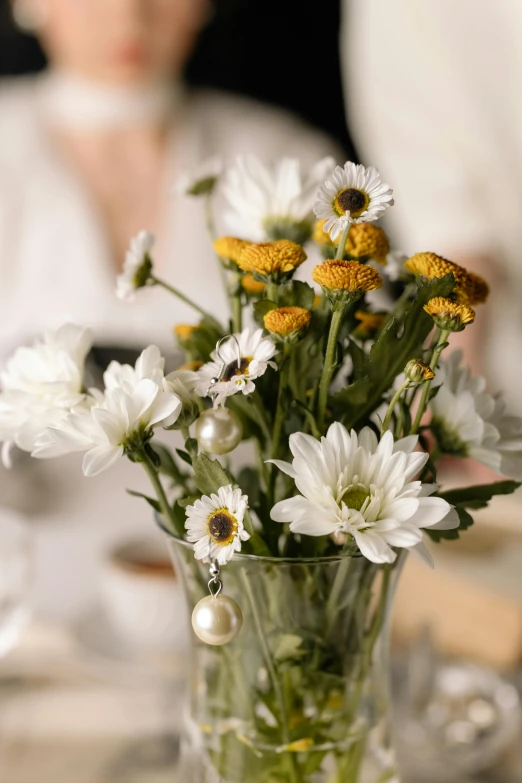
<point>301,694</point>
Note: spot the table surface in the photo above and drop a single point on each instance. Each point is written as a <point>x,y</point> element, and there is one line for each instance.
<point>69,715</point>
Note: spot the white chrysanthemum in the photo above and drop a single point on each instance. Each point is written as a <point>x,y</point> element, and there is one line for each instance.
<point>201,180</point>
<point>41,384</point>
<point>393,269</point>
<point>469,422</point>
<point>356,485</point>
<point>215,525</point>
<point>120,421</point>
<point>137,267</point>
<point>246,357</point>
<point>266,204</point>
<point>352,194</point>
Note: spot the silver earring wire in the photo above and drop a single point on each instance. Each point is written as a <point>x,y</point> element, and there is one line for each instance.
<point>219,377</point>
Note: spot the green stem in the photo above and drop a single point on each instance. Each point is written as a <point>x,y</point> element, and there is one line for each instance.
<point>395,399</point>
<point>342,242</point>
<point>280,414</point>
<point>237,308</point>
<point>186,299</point>
<point>329,362</point>
<point>271,291</point>
<point>441,344</point>
<point>263,422</point>
<point>276,685</point>
<point>166,509</point>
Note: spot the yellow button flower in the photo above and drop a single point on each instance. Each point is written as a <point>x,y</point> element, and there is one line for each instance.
<point>368,241</point>
<point>346,279</point>
<point>370,323</point>
<point>470,289</point>
<point>251,285</point>
<point>449,315</point>
<point>275,260</point>
<point>286,321</point>
<point>230,248</point>
<point>184,331</point>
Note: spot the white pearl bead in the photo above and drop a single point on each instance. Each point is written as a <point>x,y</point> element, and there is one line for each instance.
<point>217,620</point>
<point>218,431</point>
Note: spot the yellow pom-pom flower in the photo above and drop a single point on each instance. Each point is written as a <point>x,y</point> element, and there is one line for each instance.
<point>251,285</point>
<point>449,315</point>
<point>287,322</point>
<point>470,289</point>
<point>346,280</point>
<point>184,331</point>
<point>369,323</point>
<point>272,260</point>
<point>367,241</point>
<point>230,248</point>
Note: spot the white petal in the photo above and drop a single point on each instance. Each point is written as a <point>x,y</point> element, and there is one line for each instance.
<point>100,458</point>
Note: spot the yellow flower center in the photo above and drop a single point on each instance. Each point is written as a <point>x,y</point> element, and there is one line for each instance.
<point>352,201</point>
<point>272,258</point>
<point>285,320</point>
<point>222,526</point>
<point>235,368</point>
<point>347,275</point>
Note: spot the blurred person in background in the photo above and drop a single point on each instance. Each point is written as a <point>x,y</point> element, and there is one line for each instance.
<point>89,152</point>
<point>433,93</point>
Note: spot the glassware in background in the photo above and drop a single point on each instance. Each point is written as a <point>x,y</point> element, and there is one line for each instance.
<point>454,720</point>
<point>15,578</point>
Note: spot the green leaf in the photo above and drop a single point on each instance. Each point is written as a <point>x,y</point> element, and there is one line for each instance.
<point>151,501</point>
<point>295,294</point>
<point>261,308</point>
<point>184,456</point>
<point>399,341</point>
<point>480,495</point>
<point>167,465</point>
<point>188,501</point>
<point>466,520</point>
<point>209,475</point>
<point>288,646</point>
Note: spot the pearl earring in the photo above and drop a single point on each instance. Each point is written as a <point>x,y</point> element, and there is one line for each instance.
<point>219,430</point>
<point>29,15</point>
<point>216,619</point>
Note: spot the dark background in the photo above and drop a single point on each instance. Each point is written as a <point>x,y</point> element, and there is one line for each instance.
<point>284,52</point>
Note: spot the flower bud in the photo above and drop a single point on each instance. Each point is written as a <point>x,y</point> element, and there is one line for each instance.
<point>417,371</point>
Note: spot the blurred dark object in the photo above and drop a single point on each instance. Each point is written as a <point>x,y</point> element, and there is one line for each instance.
<point>271,51</point>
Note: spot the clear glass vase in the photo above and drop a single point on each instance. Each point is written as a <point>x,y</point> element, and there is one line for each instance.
<point>301,694</point>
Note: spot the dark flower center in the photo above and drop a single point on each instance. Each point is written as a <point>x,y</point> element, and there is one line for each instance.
<point>352,200</point>
<point>233,368</point>
<point>221,527</point>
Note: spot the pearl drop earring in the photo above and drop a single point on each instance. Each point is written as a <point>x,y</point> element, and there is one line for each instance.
<point>29,15</point>
<point>217,618</point>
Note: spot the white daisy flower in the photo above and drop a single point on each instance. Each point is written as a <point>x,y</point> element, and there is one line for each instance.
<point>246,357</point>
<point>201,180</point>
<point>118,422</point>
<point>352,194</point>
<point>267,204</point>
<point>393,269</point>
<point>357,486</point>
<point>41,384</point>
<point>469,422</point>
<point>215,525</point>
<point>137,267</point>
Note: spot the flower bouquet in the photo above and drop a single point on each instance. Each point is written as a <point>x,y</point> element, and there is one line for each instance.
<point>290,554</point>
